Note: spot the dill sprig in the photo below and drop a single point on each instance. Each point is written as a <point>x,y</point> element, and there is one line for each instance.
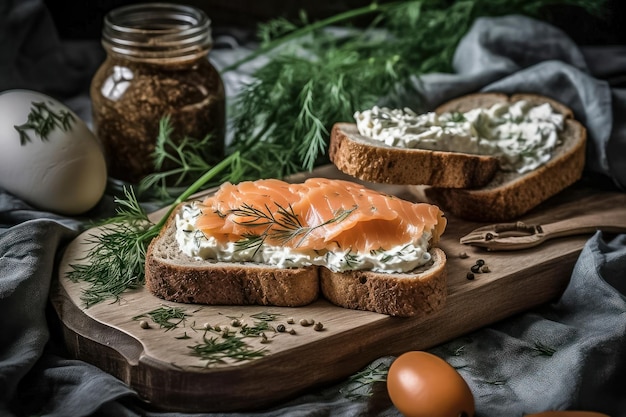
<point>42,120</point>
<point>256,329</point>
<point>187,160</point>
<point>216,350</point>
<point>361,384</point>
<point>265,316</point>
<point>117,253</point>
<point>283,226</point>
<point>165,316</point>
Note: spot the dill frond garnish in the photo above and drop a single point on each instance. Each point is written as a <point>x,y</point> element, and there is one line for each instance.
<point>42,120</point>
<point>282,226</point>
<point>256,329</point>
<point>265,316</point>
<point>216,350</point>
<point>360,384</point>
<point>117,253</point>
<point>166,317</point>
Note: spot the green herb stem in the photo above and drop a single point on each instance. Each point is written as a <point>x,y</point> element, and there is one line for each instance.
<point>312,27</point>
<point>198,185</point>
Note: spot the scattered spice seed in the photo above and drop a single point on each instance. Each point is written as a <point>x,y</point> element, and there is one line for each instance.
<point>292,331</point>
<point>290,320</point>
<point>470,276</point>
<point>463,255</point>
<point>144,324</point>
<point>485,269</point>
<point>306,323</point>
<point>480,262</point>
<point>281,328</point>
<point>318,326</point>
<point>475,269</point>
<point>235,323</point>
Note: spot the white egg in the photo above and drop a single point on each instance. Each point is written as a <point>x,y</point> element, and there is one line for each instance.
<point>48,156</point>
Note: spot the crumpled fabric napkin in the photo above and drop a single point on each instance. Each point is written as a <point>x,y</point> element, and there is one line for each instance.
<point>566,355</point>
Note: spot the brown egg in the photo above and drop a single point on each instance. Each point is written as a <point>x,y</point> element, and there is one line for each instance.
<point>568,414</point>
<point>421,384</point>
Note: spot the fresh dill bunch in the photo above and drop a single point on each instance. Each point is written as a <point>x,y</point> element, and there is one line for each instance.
<point>319,77</point>
<point>285,116</point>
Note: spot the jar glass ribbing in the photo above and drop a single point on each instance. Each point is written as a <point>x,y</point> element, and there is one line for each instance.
<point>157,67</point>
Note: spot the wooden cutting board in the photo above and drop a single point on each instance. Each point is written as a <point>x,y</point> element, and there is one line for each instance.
<point>158,362</point>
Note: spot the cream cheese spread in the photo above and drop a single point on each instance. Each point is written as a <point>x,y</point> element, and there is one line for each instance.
<point>194,243</point>
<point>522,136</point>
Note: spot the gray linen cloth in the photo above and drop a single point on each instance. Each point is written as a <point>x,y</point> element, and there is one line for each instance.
<point>586,327</point>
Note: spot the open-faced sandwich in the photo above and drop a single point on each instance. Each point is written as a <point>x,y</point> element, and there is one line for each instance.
<point>271,242</point>
<point>484,157</point>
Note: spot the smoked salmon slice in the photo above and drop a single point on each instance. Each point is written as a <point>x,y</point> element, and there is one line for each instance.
<point>318,214</point>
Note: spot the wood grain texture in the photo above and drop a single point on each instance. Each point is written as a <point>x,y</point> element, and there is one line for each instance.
<point>158,364</point>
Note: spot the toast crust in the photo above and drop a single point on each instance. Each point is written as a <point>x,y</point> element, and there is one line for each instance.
<point>174,276</point>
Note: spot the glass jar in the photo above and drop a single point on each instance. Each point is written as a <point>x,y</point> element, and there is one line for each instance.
<point>157,66</point>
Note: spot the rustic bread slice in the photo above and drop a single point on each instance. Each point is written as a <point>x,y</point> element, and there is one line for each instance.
<point>371,160</point>
<point>174,276</point>
<point>509,195</point>
<point>421,292</point>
